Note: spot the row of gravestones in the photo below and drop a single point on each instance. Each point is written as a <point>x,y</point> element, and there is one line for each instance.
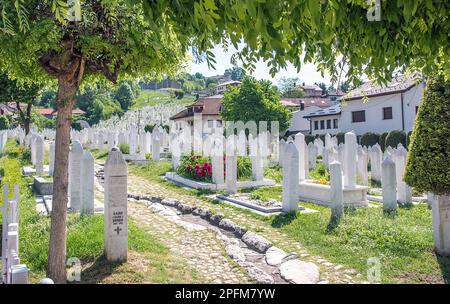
<point>13,272</point>
<point>350,155</point>
<point>159,114</point>
<point>81,180</point>
<point>394,189</point>
<point>139,144</point>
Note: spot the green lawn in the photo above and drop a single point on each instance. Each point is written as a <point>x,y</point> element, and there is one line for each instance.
<point>403,243</point>
<point>151,98</point>
<point>85,241</point>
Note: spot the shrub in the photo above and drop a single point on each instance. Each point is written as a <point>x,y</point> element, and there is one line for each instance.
<point>369,139</point>
<point>14,150</point>
<point>394,138</point>
<point>124,148</point>
<point>149,128</point>
<point>179,94</point>
<point>340,137</point>
<point>244,167</point>
<point>309,138</point>
<point>196,167</point>
<point>428,164</point>
<point>200,168</point>
<point>4,123</point>
<point>408,139</point>
<point>383,140</point>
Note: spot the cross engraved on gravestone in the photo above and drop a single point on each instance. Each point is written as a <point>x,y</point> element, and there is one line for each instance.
<point>117,219</point>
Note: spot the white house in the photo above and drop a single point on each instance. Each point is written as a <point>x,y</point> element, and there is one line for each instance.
<point>222,87</point>
<point>372,108</point>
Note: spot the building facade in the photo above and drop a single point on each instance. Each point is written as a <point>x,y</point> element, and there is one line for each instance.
<point>372,108</point>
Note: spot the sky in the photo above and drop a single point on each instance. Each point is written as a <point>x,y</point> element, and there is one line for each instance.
<point>308,72</point>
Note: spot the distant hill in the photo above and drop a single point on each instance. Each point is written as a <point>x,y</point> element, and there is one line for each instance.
<point>153,98</point>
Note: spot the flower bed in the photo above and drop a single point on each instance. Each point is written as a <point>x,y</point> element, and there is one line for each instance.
<point>199,168</point>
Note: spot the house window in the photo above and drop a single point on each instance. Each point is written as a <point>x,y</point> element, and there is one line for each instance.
<point>316,125</point>
<point>335,123</point>
<point>322,124</point>
<point>210,123</point>
<point>328,123</point>
<point>219,123</point>
<point>387,113</point>
<point>358,116</point>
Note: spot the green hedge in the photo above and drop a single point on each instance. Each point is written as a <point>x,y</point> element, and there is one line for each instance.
<point>4,123</point>
<point>369,139</point>
<point>340,137</point>
<point>383,140</point>
<point>309,138</point>
<point>428,164</point>
<point>394,138</point>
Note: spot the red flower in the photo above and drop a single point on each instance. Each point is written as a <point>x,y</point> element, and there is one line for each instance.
<point>189,167</point>
<point>199,173</point>
<point>206,165</point>
<point>209,171</point>
<point>197,167</point>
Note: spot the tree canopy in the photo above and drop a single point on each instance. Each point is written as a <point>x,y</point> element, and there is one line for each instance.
<point>254,100</point>
<point>112,38</point>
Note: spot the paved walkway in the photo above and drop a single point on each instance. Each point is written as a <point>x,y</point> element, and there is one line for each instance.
<point>203,250</point>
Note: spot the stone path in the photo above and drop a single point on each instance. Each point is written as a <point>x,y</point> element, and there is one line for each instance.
<point>329,272</point>
<point>207,251</point>
<point>202,250</point>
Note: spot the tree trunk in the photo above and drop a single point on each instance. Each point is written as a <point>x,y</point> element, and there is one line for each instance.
<point>27,120</point>
<point>68,84</point>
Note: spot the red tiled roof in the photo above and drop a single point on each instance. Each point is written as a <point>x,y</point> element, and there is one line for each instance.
<point>211,106</point>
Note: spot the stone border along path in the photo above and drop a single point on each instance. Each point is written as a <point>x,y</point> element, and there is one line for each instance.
<point>200,233</point>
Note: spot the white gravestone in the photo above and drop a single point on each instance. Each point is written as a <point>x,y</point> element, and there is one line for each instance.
<point>231,165</point>
<point>350,160</point>
<point>51,159</point>
<point>39,156</point>
<point>441,224</point>
<point>389,184</point>
<point>217,161</point>
<point>301,148</point>
<point>362,166</point>
<point>87,183</point>
<point>290,177</point>
<point>75,176</point>
<point>375,155</point>
<point>256,159</point>
<point>337,194</point>
<point>116,215</point>
<point>404,192</point>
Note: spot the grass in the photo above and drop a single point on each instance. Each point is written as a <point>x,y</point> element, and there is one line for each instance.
<point>152,98</point>
<point>99,153</point>
<point>403,243</point>
<point>149,260</point>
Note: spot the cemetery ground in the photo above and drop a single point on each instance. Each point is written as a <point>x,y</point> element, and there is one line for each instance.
<point>149,261</point>
<point>162,252</point>
<point>403,243</point>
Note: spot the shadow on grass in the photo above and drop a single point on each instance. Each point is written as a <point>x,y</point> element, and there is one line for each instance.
<point>444,264</point>
<point>283,219</point>
<point>99,270</point>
